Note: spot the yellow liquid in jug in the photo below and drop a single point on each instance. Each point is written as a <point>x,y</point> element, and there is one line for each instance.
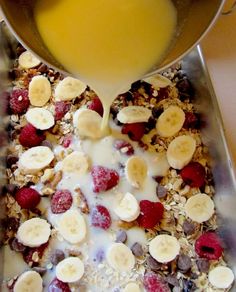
<point>107,43</point>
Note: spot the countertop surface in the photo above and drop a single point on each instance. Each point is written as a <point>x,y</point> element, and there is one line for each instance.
<point>219,48</point>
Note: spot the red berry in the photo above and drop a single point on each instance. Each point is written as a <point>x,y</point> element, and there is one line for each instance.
<point>19,101</point>
<point>124,147</point>
<point>27,198</point>
<point>153,283</point>
<point>67,141</point>
<point>151,213</point>
<point>32,254</point>
<point>193,174</point>
<point>30,136</point>
<point>104,178</point>
<point>101,217</point>
<point>96,106</point>
<point>191,121</point>
<point>135,131</point>
<point>61,108</point>
<point>61,201</point>
<point>58,286</point>
<point>208,246</point>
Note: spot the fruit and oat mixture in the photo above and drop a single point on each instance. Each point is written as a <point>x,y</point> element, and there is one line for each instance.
<point>132,211</point>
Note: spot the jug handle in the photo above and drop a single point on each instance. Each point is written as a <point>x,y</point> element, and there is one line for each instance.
<point>230,10</point>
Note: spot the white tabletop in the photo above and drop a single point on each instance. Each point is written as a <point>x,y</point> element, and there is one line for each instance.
<point>219,48</point>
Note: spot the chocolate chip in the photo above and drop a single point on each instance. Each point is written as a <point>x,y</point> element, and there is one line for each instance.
<point>184,263</point>
<point>203,265</point>
<point>157,179</point>
<point>47,143</point>
<point>156,112</point>
<point>172,280</point>
<point>40,270</point>
<point>16,245</point>
<point>161,192</point>
<point>188,286</point>
<point>137,249</point>
<point>43,68</point>
<point>57,256</point>
<point>100,256</point>
<point>188,227</point>
<point>152,264</point>
<point>11,159</point>
<point>11,188</point>
<point>121,236</point>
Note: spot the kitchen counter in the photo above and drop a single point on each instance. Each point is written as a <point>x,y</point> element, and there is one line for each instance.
<point>219,48</point>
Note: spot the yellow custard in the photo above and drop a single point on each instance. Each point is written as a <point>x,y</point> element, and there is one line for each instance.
<point>107,43</point>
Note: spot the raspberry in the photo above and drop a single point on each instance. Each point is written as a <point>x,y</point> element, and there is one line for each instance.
<point>191,121</point>
<point>101,217</point>
<point>67,141</point>
<point>19,101</point>
<point>208,246</point>
<point>193,174</point>
<point>124,147</point>
<point>96,106</point>
<point>58,286</point>
<point>104,178</point>
<point>30,136</point>
<point>27,198</point>
<point>61,201</point>
<point>32,255</point>
<point>151,213</point>
<point>61,108</point>
<point>135,131</point>
<point>153,283</point>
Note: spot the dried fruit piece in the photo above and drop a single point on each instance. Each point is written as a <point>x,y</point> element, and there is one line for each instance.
<point>135,131</point>
<point>153,283</point>
<point>61,201</point>
<point>104,178</point>
<point>19,101</point>
<point>27,198</point>
<point>208,246</point>
<point>184,263</point>
<point>137,249</point>
<point>191,121</point>
<point>124,147</point>
<point>30,136</point>
<point>101,217</point>
<point>96,106</point>
<point>193,175</point>
<point>203,265</point>
<point>61,108</point>
<point>57,256</point>
<point>121,236</point>
<point>151,213</point>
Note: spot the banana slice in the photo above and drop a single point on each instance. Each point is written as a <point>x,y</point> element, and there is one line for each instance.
<point>128,208</point>
<point>69,88</point>
<point>158,81</point>
<point>164,248</point>
<point>70,270</point>
<point>35,159</point>
<point>29,281</point>
<point>180,151</point>
<point>170,121</point>
<point>76,162</point>
<point>120,257</point>
<point>72,226</point>
<point>27,60</point>
<point>40,118</point>
<point>221,277</point>
<point>136,171</point>
<point>34,232</point>
<point>199,208</point>
<point>132,287</point>
<point>39,90</point>
<point>134,114</point>
<point>88,123</point>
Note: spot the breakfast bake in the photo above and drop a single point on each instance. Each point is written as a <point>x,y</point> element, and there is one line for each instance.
<point>132,211</point>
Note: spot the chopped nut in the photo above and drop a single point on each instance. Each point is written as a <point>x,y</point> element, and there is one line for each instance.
<point>81,201</point>
<point>47,191</point>
<point>47,175</point>
<point>57,178</point>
